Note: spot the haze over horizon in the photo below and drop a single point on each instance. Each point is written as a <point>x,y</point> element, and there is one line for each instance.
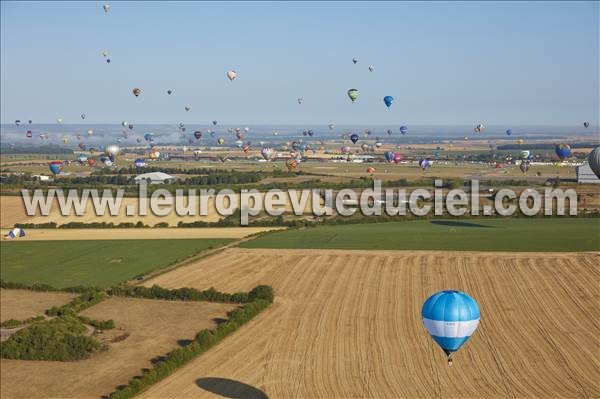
<point>501,63</point>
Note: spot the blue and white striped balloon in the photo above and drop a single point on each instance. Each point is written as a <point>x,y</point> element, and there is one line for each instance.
<point>450,317</point>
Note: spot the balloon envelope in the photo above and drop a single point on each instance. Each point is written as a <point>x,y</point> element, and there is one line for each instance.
<point>56,167</point>
<point>450,317</point>
<point>353,94</point>
<point>594,161</point>
<point>354,138</point>
<point>563,151</point>
<point>388,101</point>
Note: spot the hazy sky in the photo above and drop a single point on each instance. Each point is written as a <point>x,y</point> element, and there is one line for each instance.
<point>444,62</point>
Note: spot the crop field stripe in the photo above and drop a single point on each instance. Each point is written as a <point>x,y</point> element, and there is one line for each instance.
<point>93,263</point>
<point>521,235</point>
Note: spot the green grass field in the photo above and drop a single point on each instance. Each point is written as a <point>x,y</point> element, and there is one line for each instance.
<point>100,263</point>
<point>521,235</point>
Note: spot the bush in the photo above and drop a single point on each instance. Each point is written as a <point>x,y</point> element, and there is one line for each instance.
<point>84,301</point>
<point>11,323</point>
<point>57,339</point>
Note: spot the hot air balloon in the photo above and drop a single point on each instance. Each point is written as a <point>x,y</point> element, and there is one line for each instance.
<point>82,159</point>
<point>371,68</point>
<point>91,162</point>
<point>82,116</point>
<point>239,135</point>
<point>594,161</point>
<point>291,164</point>
<point>18,122</point>
<point>450,317</point>
<point>231,75</point>
<point>169,92</point>
<point>563,151</point>
<point>353,94</point>
<point>124,123</point>
<point>267,153</point>
<point>378,144</point>
<point>345,149</point>
<point>187,108</point>
<point>246,129</point>
<point>56,167</point>
<point>154,155</point>
<point>389,156</point>
<point>370,170</point>
<point>331,126</point>
<point>221,140</point>
<point>223,158</point>
<point>525,154</point>
<point>403,130</point>
<point>355,60</point>
<point>139,163</point>
<point>59,120</point>
<point>520,141</point>
<point>136,92</point>
<point>478,128</point>
<point>354,138</point>
<point>106,160</point>
<point>106,7</point>
<point>197,134</point>
<point>397,157</point>
<point>275,133</point>
<point>508,132</point>
<point>29,134</point>
<point>388,101</point>
<point>214,123</point>
<point>364,147</point>
<point>425,163</point>
<point>524,166</point>
<point>389,132</point>
<point>112,151</point>
<point>245,148</point>
<point>90,132</point>
<point>586,124</point>
<point>130,126</point>
<point>81,146</point>
<point>300,100</point>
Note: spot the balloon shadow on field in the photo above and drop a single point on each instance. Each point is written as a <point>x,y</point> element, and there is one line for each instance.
<point>452,223</point>
<point>230,388</point>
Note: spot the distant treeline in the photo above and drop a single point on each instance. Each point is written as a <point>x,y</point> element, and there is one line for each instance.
<point>50,149</point>
<point>545,146</point>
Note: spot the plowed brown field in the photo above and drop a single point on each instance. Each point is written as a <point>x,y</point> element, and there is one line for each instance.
<point>346,324</point>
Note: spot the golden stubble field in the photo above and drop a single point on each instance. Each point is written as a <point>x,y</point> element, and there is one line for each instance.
<point>23,304</point>
<point>347,324</point>
<point>151,328</point>
<point>13,210</point>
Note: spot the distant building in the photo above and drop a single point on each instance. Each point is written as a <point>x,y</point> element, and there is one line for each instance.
<point>40,177</point>
<point>585,175</point>
<point>155,178</point>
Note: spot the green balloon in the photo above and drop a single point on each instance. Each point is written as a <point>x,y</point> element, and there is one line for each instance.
<point>353,94</point>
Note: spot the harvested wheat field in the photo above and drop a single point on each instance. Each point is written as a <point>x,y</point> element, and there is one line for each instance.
<point>347,324</point>
<point>135,233</point>
<point>23,304</point>
<point>12,210</point>
<point>154,327</point>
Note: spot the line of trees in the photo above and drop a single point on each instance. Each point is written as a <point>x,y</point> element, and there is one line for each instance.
<point>192,294</point>
<point>262,297</point>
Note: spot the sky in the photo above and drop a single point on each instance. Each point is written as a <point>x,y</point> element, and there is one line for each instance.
<point>445,63</point>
